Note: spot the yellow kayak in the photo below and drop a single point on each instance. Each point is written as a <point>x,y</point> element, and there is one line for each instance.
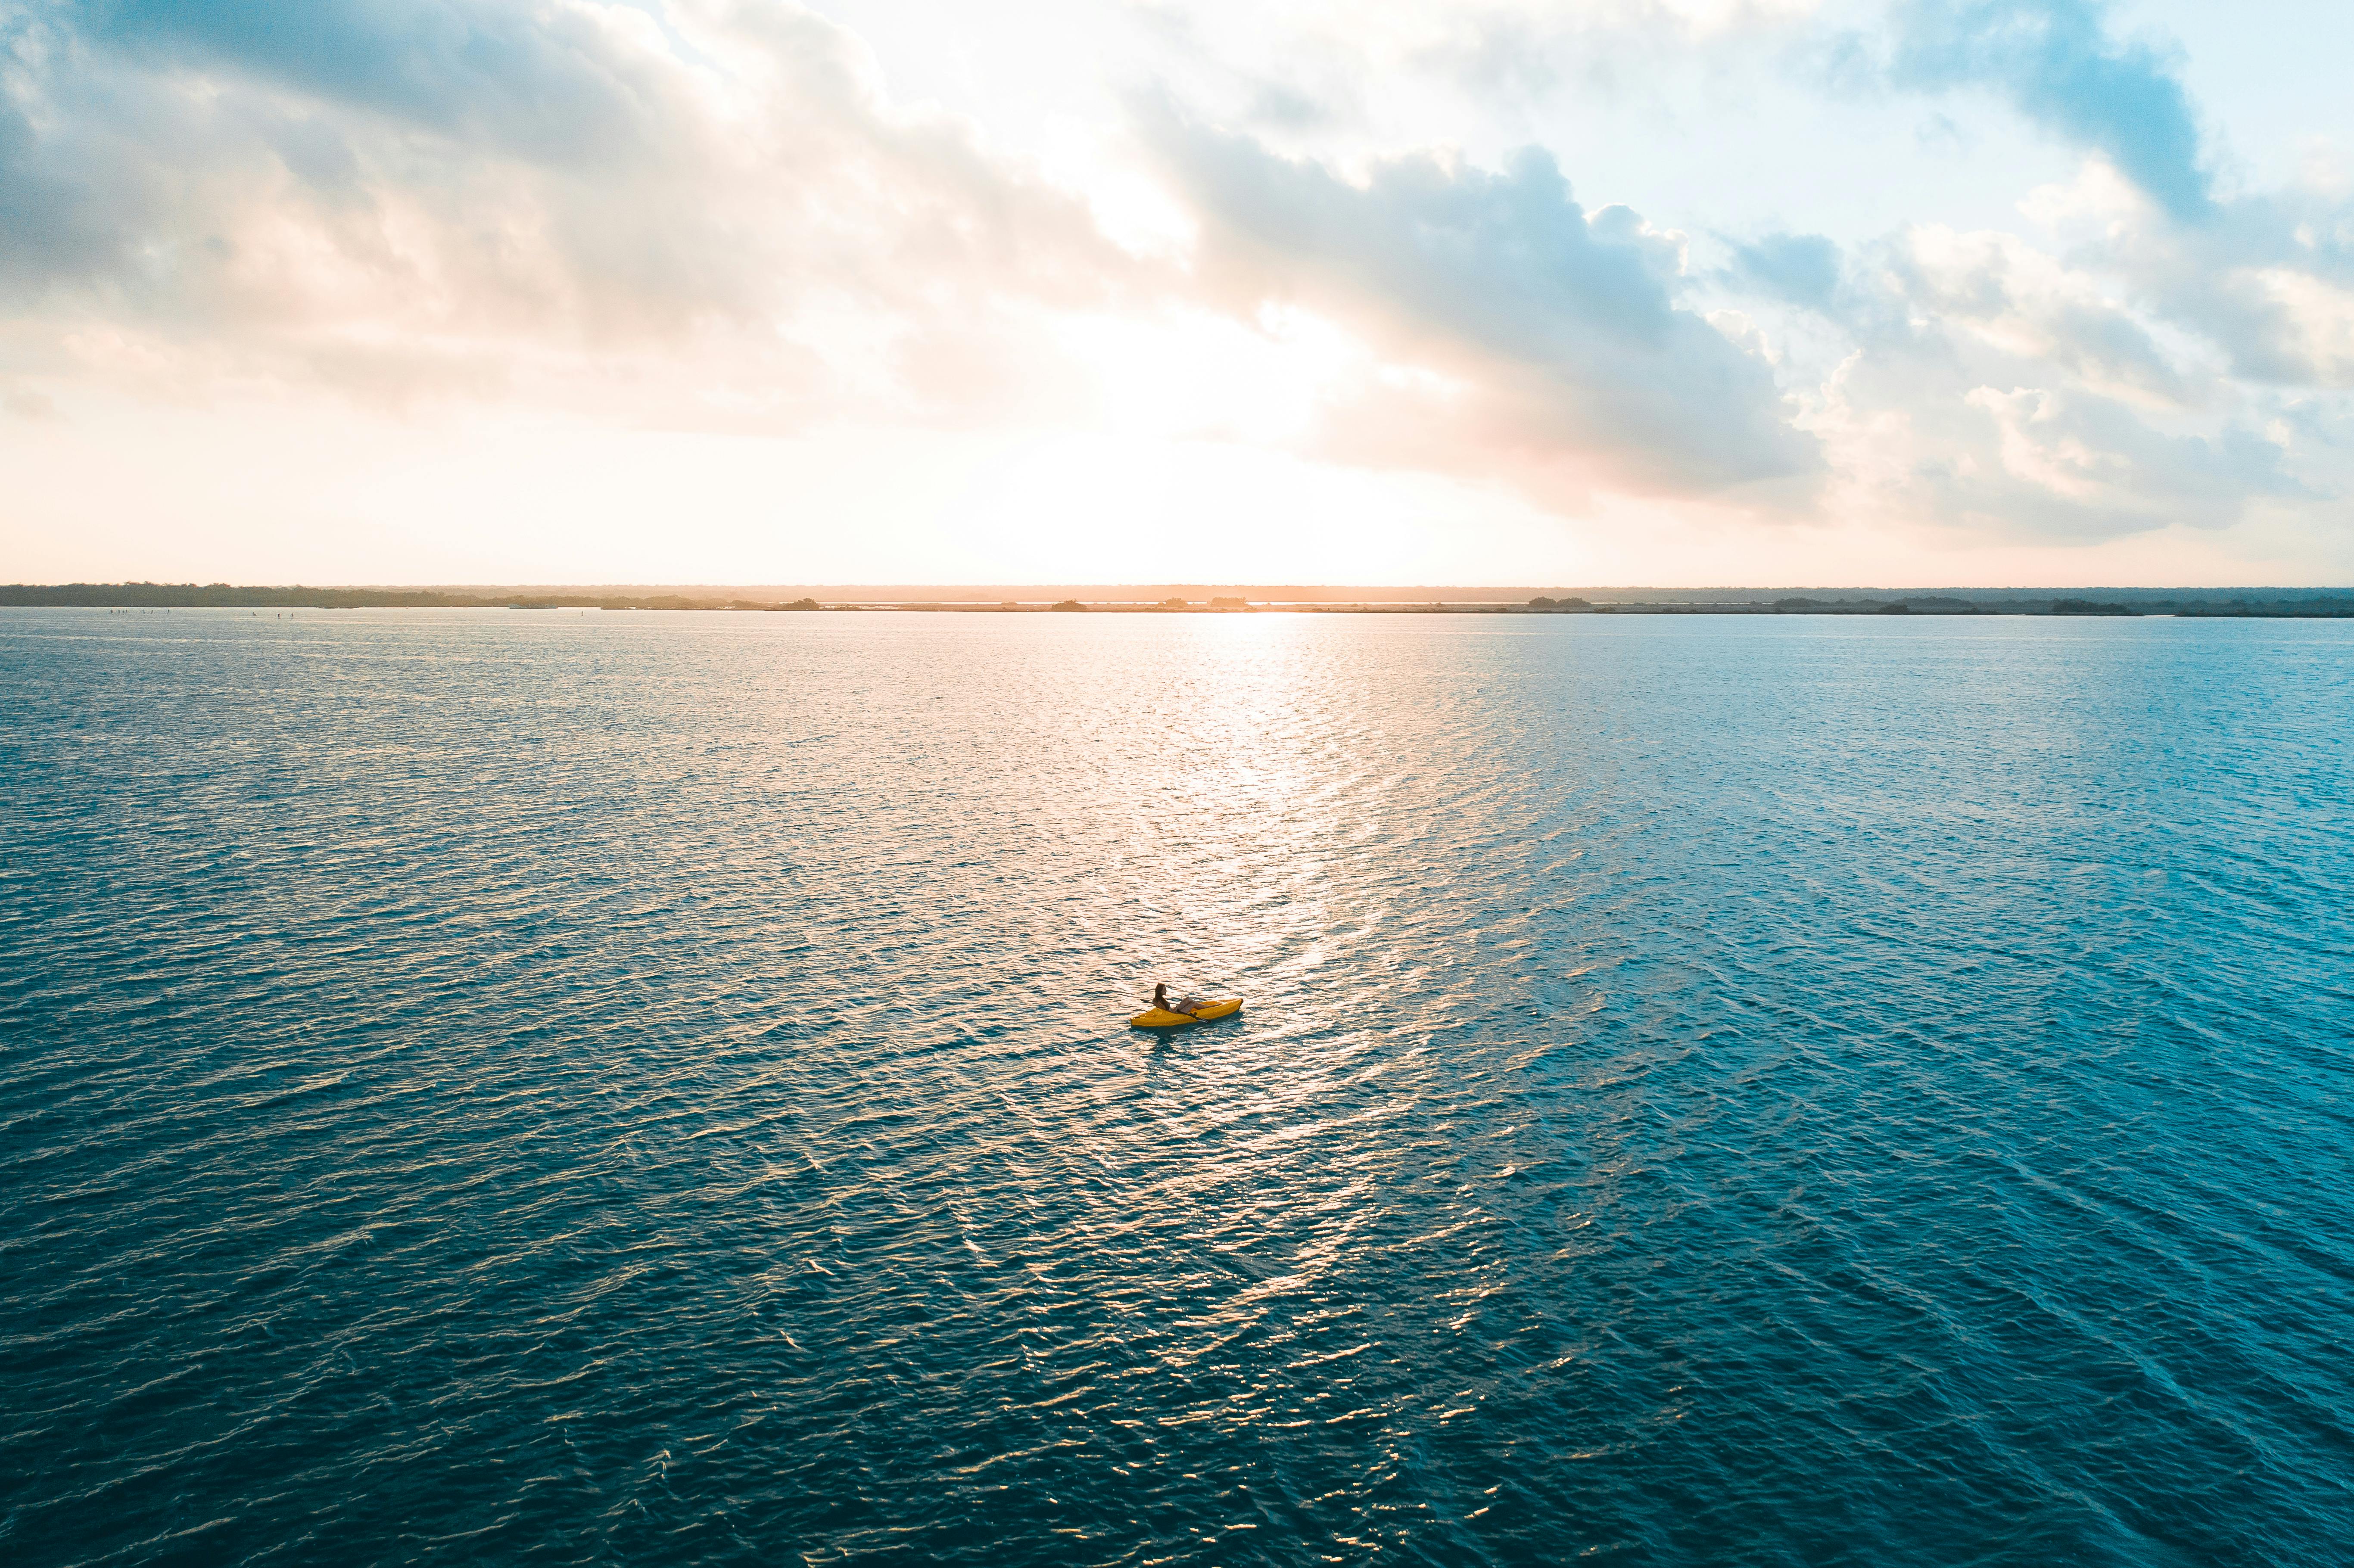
<point>1161,1018</point>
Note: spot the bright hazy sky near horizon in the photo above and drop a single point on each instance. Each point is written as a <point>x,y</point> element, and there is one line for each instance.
<point>1699,291</point>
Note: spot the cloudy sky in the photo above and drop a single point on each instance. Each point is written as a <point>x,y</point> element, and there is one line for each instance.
<point>1928,291</point>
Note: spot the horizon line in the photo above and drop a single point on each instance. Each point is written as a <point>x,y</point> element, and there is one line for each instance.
<point>1167,587</point>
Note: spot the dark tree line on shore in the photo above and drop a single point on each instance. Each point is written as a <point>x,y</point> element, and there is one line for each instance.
<point>2332,603</point>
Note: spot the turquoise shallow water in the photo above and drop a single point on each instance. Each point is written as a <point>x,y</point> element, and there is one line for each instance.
<point>515,1087</point>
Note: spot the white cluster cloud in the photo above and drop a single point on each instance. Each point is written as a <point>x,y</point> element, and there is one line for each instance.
<point>451,196</point>
<point>2108,390</point>
<point>1549,341</point>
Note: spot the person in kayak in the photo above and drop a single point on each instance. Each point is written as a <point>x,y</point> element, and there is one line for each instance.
<point>1161,1000</point>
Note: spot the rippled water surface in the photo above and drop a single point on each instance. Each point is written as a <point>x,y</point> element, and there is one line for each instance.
<point>512,1086</point>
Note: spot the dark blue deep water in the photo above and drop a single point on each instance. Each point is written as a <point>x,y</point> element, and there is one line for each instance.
<point>516,1087</point>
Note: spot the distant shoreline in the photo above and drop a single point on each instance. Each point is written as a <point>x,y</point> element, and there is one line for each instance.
<point>2273,603</point>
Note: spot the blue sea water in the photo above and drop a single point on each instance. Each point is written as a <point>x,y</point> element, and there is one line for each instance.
<point>525,1087</point>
